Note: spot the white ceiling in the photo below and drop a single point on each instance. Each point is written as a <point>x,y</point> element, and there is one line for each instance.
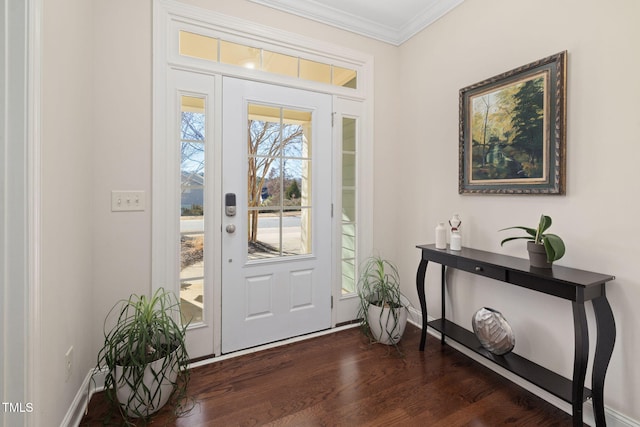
<point>392,21</point>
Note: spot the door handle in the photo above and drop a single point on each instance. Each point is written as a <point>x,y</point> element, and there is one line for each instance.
<point>231,228</point>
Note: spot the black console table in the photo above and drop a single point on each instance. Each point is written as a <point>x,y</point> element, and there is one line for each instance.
<point>570,284</point>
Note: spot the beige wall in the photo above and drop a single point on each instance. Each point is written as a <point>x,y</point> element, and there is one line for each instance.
<point>67,206</point>
<point>122,152</point>
<point>97,138</point>
<point>596,218</point>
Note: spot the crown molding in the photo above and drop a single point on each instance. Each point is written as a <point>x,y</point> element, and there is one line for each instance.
<point>395,35</point>
<point>431,14</point>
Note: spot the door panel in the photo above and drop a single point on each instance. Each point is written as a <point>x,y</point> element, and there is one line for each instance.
<point>276,273</point>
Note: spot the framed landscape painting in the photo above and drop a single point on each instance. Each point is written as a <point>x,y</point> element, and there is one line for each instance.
<point>512,131</point>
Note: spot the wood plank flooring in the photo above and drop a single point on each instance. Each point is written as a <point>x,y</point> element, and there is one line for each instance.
<point>341,380</point>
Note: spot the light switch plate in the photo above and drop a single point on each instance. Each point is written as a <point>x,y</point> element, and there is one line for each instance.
<point>127,201</point>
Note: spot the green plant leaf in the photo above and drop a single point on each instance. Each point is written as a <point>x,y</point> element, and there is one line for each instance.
<point>554,246</point>
<point>543,225</point>
<point>508,239</point>
<point>529,230</point>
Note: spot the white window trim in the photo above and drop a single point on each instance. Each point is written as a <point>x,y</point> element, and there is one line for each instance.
<point>349,108</point>
<point>171,16</point>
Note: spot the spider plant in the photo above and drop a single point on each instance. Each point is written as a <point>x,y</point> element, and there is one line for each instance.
<point>144,354</point>
<point>379,286</point>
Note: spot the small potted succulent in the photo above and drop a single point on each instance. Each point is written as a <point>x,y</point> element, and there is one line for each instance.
<point>544,248</point>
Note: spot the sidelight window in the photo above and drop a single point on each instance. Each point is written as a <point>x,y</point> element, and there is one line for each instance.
<point>192,189</point>
<point>349,205</point>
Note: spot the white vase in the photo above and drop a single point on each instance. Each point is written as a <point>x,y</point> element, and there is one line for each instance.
<point>456,241</point>
<point>441,236</point>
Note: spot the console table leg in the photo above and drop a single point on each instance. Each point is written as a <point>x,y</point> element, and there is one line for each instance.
<point>422,271</point>
<point>606,327</point>
<point>580,359</point>
<point>443,286</point>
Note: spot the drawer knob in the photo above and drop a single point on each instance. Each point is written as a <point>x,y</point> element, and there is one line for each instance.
<point>478,268</point>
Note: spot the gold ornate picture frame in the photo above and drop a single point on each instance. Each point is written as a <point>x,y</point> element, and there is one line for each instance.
<point>513,131</point>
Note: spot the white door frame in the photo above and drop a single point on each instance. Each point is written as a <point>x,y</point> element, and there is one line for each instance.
<point>208,87</point>
<point>170,17</point>
<point>353,109</point>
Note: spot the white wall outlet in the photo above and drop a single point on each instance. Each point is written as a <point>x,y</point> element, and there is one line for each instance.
<point>68,363</point>
<point>122,201</point>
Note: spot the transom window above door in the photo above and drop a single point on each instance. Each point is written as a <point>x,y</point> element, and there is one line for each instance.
<point>226,52</point>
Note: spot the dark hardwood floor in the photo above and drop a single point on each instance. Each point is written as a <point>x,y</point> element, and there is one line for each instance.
<point>341,380</point>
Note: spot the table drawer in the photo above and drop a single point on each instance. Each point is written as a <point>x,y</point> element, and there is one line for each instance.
<point>482,269</point>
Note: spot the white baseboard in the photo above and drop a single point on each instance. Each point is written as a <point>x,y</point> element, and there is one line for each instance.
<point>80,403</point>
<point>613,418</point>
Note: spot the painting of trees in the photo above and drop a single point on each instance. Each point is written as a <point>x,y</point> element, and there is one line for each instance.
<point>512,131</point>
<point>507,126</point>
<point>529,124</point>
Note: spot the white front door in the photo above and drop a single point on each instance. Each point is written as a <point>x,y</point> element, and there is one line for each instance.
<point>276,243</point>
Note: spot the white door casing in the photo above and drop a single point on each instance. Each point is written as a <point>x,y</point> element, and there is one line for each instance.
<point>346,300</point>
<point>169,18</point>
<point>20,198</point>
<point>170,223</point>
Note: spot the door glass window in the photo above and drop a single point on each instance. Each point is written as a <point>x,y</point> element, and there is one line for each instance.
<point>192,188</point>
<point>348,205</point>
<point>279,182</point>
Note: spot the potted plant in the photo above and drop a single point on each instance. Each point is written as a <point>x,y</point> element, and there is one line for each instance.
<point>383,309</point>
<point>543,248</point>
<point>144,354</point>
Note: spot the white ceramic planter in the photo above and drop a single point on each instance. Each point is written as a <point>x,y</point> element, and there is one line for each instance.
<point>384,327</point>
<point>159,383</point>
